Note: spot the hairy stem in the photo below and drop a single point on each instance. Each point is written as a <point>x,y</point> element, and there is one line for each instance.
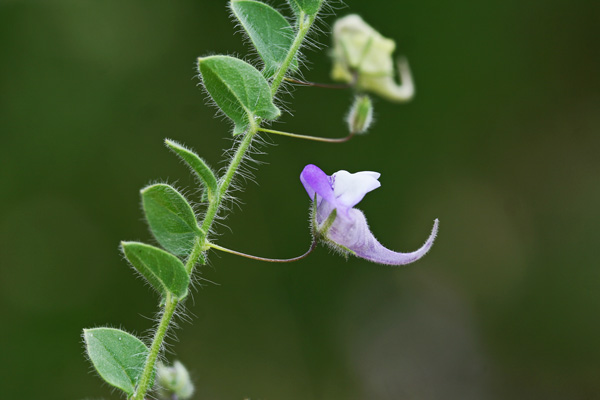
<point>197,251</point>
<point>201,244</point>
<point>303,28</point>
<point>159,336</point>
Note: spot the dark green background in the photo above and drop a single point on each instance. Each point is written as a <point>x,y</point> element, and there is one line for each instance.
<point>501,144</point>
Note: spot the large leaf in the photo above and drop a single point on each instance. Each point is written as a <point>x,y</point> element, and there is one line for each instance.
<point>269,31</point>
<point>171,218</point>
<point>118,356</point>
<point>163,270</point>
<point>239,90</point>
<point>310,7</point>
<point>197,165</point>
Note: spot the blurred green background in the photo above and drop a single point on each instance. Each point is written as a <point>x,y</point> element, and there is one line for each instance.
<point>501,144</point>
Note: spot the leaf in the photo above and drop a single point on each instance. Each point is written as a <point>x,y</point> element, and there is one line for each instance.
<point>269,31</point>
<point>118,356</point>
<point>171,218</point>
<point>239,90</point>
<point>197,165</point>
<point>310,7</point>
<point>163,270</point>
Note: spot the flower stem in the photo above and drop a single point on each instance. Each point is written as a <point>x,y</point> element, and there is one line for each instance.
<point>273,260</point>
<point>320,85</point>
<point>307,137</point>
<point>200,245</point>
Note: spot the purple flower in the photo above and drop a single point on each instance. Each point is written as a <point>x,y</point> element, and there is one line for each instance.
<point>347,228</point>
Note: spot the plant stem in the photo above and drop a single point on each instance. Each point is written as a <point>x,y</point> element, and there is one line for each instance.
<point>201,244</point>
<point>320,85</point>
<point>303,28</point>
<point>307,137</point>
<point>159,336</point>
<point>273,260</point>
<point>196,254</point>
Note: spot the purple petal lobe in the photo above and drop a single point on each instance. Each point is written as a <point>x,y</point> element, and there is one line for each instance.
<point>352,231</point>
<point>317,181</point>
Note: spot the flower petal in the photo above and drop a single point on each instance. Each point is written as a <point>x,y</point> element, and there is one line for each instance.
<point>353,232</point>
<point>349,189</point>
<point>317,181</point>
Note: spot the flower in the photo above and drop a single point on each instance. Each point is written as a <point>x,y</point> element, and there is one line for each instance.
<point>343,226</point>
<point>362,56</point>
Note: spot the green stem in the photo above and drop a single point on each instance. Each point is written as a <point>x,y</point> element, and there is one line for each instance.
<point>273,260</point>
<point>314,138</point>
<point>201,244</point>
<point>197,251</point>
<point>320,85</point>
<point>303,28</point>
<point>159,336</point>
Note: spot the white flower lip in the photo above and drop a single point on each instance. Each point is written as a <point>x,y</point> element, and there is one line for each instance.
<point>349,189</point>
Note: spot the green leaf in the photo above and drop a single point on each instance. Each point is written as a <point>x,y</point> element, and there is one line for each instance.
<point>118,356</point>
<point>171,218</point>
<point>239,90</point>
<point>163,270</point>
<point>197,165</point>
<point>269,31</point>
<point>310,7</point>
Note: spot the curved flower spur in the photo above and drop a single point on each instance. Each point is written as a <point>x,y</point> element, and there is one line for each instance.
<point>342,226</point>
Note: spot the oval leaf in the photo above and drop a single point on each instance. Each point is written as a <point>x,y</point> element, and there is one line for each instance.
<point>239,90</point>
<point>118,356</point>
<point>171,218</point>
<point>310,7</point>
<point>163,270</point>
<point>197,165</point>
<point>269,31</point>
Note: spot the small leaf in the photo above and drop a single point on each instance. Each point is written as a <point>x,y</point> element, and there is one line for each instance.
<point>163,270</point>
<point>269,31</point>
<point>239,90</point>
<point>197,165</point>
<point>310,7</point>
<point>118,356</point>
<point>171,218</point>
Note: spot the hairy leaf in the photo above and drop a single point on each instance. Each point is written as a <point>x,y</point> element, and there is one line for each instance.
<point>118,356</point>
<point>269,31</point>
<point>163,270</point>
<point>171,218</point>
<point>239,90</point>
<point>197,165</point>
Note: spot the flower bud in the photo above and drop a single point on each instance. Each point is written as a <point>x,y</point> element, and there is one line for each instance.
<point>360,116</point>
<point>363,57</point>
<point>173,381</point>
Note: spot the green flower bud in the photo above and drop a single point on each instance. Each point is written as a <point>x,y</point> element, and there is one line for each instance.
<point>173,381</point>
<point>360,116</point>
<point>363,57</point>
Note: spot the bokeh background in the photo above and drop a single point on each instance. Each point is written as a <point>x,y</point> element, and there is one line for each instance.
<point>501,144</point>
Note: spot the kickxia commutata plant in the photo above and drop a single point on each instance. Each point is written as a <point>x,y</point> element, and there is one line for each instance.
<point>247,95</point>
